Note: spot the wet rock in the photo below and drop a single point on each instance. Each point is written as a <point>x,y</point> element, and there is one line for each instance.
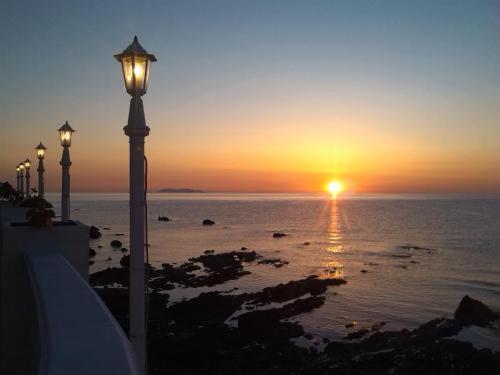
<point>99,246</point>
<point>308,336</point>
<point>295,289</point>
<point>94,232</point>
<point>108,259</point>
<point>267,323</point>
<point>109,276</point>
<point>243,248</point>
<point>357,335</point>
<point>116,243</point>
<point>125,260</point>
<point>91,262</point>
<point>474,312</point>
<point>279,235</point>
<point>92,252</point>
<point>363,271</point>
<point>163,218</point>
<point>208,222</point>
<point>306,243</point>
<point>276,262</point>
<point>208,251</point>
<point>119,234</point>
<point>414,247</point>
<point>124,249</point>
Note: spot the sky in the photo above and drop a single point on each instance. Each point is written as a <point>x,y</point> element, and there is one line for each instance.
<point>260,96</point>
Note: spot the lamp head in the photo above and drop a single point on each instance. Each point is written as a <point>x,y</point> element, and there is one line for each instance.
<point>40,151</point>
<point>27,163</point>
<point>65,134</point>
<point>136,63</point>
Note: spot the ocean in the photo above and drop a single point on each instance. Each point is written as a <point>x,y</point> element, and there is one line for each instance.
<point>422,254</point>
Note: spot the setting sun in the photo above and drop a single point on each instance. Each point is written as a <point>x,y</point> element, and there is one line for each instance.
<point>334,188</point>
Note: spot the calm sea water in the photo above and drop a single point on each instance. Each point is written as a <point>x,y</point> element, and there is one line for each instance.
<point>403,287</point>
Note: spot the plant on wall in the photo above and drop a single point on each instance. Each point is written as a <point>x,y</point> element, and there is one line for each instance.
<point>39,213</point>
<point>9,194</point>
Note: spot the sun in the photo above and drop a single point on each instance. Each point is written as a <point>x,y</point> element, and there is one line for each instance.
<point>334,188</point>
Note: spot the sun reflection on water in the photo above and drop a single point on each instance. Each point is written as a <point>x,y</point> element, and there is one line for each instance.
<point>331,264</point>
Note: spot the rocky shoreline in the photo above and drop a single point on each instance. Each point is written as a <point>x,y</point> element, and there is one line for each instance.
<point>250,333</point>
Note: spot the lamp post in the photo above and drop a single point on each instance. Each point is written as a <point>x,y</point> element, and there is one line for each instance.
<point>40,153</point>
<point>136,64</point>
<point>18,176</point>
<point>65,134</point>
<point>21,178</point>
<point>27,166</point>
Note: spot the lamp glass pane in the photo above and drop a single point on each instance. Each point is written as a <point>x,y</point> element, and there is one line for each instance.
<point>128,72</point>
<point>140,66</point>
<point>40,152</point>
<point>65,138</point>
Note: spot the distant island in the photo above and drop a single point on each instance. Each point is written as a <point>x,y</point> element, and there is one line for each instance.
<point>181,190</point>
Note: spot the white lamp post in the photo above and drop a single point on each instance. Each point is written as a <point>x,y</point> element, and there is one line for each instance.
<point>21,178</point>
<point>40,153</point>
<point>18,176</point>
<point>65,134</point>
<point>27,166</point>
<point>136,64</point>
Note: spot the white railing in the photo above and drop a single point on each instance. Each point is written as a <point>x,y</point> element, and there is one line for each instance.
<point>78,334</point>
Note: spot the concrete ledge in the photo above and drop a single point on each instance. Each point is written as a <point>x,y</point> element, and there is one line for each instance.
<point>78,333</point>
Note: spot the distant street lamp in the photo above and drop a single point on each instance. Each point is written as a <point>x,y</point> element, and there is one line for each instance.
<point>27,166</point>
<point>21,178</point>
<point>65,134</point>
<point>40,153</point>
<point>18,177</point>
<point>136,63</point>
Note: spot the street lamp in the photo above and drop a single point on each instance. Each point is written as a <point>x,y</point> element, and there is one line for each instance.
<point>27,166</point>
<point>136,64</point>
<point>65,134</point>
<point>21,178</point>
<point>40,153</point>
<point>18,176</point>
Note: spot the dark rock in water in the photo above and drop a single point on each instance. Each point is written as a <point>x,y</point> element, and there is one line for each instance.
<point>124,249</point>
<point>209,252</point>
<point>243,248</point>
<point>308,336</point>
<point>266,323</point>
<point>363,271</point>
<point>163,218</point>
<point>94,232</point>
<point>125,260</point>
<point>295,289</point>
<point>99,246</point>
<point>119,234</point>
<point>109,258</point>
<point>473,312</point>
<point>357,335</point>
<point>279,235</point>
<point>413,247</point>
<point>116,243</point>
<point>208,222</point>
<point>91,262</point>
<point>92,252</point>
<point>276,262</point>
<point>306,243</point>
<point>109,276</point>
<point>106,228</point>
